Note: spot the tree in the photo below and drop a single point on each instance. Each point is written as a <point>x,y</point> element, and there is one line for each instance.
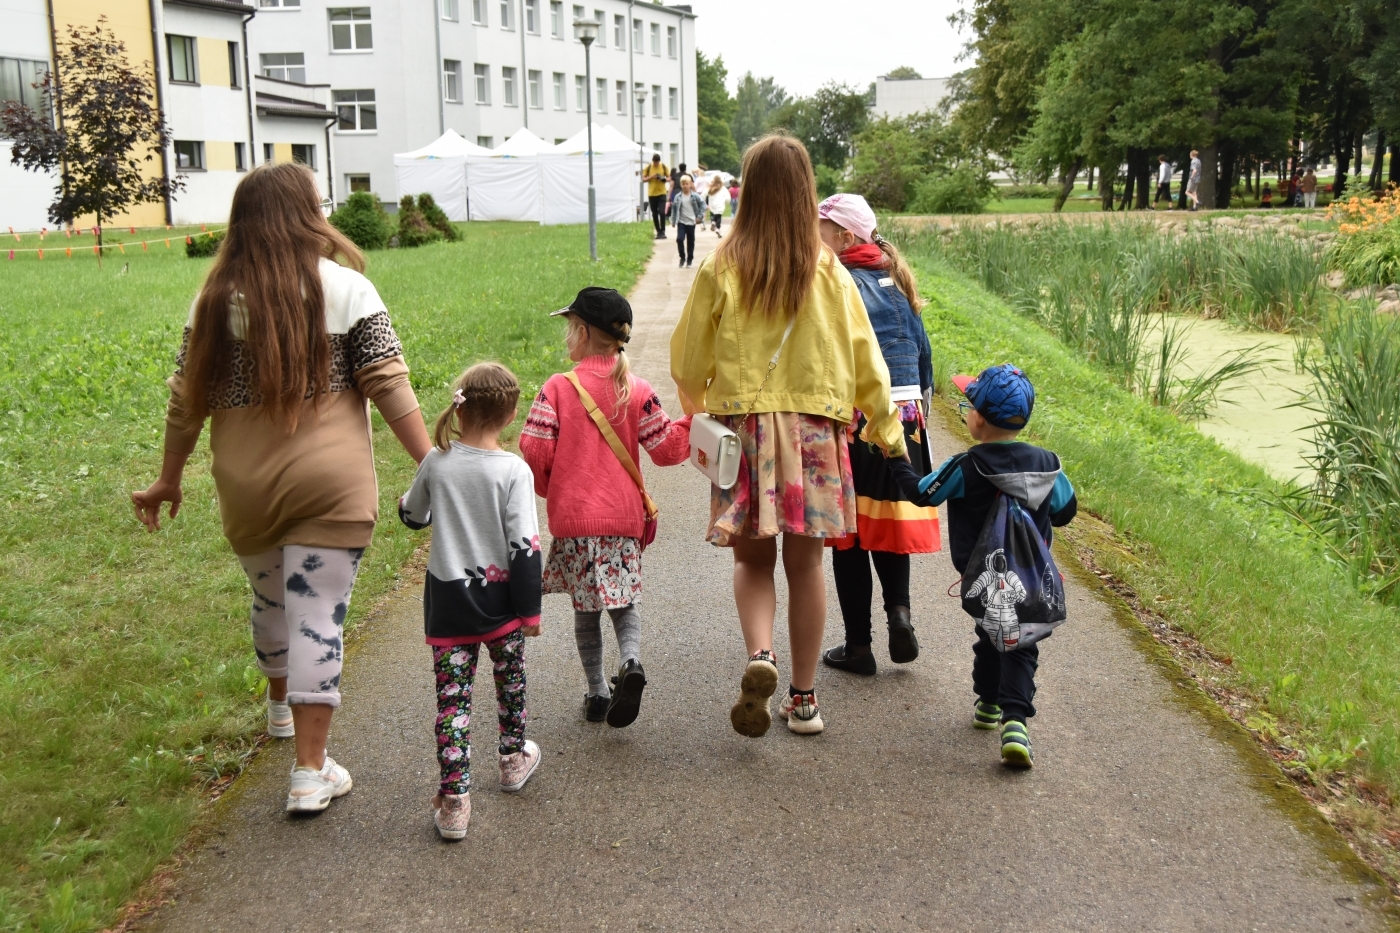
<point>755,102</point>
<point>109,130</point>
<point>714,110</point>
<point>903,73</point>
<point>827,122</point>
<point>894,155</point>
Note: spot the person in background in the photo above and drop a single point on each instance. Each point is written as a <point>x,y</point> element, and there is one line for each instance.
<point>655,178</point>
<point>1295,198</point>
<point>718,199</point>
<point>1309,188</point>
<point>889,526</point>
<point>286,343</point>
<point>1193,178</point>
<point>1266,197</point>
<point>687,210</point>
<point>676,174</point>
<point>775,344</point>
<point>734,196</point>
<point>1164,182</point>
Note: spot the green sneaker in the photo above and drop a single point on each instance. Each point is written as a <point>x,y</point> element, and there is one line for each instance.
<point>1016,745</point>
<point>985,715</point>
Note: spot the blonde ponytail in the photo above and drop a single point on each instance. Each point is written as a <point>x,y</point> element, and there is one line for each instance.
<point>577,332</point>
<point>901,273</point>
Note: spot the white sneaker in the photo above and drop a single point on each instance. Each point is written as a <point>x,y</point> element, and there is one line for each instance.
<point>516,769</point>
<point>801,713</point>
<point>312,791</point>
<point>279,719</point>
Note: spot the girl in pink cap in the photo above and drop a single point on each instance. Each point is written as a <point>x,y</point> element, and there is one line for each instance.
<point>889,526</point>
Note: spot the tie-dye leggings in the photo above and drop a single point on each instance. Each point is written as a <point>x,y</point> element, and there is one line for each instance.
<point>455,668</point>
<point>300,596</point>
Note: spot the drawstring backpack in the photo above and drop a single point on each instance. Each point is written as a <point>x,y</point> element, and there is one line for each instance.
<point>1012,586</point>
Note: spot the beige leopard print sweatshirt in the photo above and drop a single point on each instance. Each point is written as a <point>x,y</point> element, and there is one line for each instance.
<point>315,486</point>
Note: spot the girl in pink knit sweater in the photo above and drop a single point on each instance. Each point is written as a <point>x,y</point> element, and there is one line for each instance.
<point>595,510</point>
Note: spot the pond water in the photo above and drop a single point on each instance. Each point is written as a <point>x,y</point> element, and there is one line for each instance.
<point>1256,418</point>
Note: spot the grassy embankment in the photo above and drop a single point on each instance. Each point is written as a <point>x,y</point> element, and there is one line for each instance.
<point>126,683</point>
<point>1206,549</point>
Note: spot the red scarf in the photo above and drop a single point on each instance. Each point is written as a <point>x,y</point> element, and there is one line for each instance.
<point>863,256</point>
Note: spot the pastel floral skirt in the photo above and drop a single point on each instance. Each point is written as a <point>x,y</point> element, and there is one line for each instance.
<point>603,572</point>
<point>795,478</point>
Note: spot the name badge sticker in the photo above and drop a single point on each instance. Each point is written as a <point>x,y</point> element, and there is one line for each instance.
<point>887,282</point>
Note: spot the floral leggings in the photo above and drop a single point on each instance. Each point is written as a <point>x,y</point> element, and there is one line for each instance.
<point>456,672</point>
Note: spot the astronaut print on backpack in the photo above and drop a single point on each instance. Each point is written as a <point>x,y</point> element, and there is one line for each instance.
<point>1012,586</point>
<point>1000,590</point>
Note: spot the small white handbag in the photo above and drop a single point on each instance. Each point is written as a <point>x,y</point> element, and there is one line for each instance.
<point>714,449</point>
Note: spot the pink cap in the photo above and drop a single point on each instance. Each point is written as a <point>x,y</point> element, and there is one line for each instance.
<point>851,212</point>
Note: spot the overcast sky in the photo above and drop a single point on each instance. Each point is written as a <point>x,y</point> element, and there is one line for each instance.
<point>805,43</point>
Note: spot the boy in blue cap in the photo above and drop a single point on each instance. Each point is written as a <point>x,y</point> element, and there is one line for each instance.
<point>999,404</point>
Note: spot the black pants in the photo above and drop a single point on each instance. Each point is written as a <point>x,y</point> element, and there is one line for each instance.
<point>657,202</point>
<point>854,587</point>
<point>1005,678</point>
<point>685,240</point>
<point>1164,192</point>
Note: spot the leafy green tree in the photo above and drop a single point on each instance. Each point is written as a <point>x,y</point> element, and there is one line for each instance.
<point>714,111</point>
<point>827,122</point>
<point>903,73</point>
<point>755,101</point>
<point>893,155</point>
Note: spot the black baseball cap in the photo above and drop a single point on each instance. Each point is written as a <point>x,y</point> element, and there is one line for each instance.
<point>603,308</point>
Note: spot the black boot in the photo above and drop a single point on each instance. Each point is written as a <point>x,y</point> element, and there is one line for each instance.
<point>842,658</point>
<point>627,695</point>
<point>904,647</point>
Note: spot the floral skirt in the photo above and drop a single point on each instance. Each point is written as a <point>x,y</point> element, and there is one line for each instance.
<point>598,573</point>
<point>795,478</point>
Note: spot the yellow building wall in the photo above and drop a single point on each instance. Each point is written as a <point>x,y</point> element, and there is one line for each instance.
<point>281,152</point>
<point>218,157</point>
<point>130,22</point>
<point>213,62</point>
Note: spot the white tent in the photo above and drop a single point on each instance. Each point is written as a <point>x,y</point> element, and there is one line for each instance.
<point>523,143</point>
<point>617,164</point>
<point>605,139</point>
<point>439,169</point>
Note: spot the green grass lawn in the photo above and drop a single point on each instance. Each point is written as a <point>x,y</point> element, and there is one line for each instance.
<point>1208,550</point>
<point>126,676</point>
<point>1075,205</point>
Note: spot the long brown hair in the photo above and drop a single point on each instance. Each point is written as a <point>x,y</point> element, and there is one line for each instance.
<point>776,243</point>
<point>490,398</point>
<point>901,273</point>
<point>266,268</point>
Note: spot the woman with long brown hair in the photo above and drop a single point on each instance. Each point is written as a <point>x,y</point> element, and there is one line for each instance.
<point>774,342</point>
<point>284,346</point>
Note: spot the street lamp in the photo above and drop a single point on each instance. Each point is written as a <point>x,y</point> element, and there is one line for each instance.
<point>585,31</point>
<point>640,92</point>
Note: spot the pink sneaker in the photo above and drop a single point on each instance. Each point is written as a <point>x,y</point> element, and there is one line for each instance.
<point>516,769</point>
<point>451,814</point>
<point>801,713</point>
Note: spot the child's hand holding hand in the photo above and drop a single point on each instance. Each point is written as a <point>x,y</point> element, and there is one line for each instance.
<point>531,631</point>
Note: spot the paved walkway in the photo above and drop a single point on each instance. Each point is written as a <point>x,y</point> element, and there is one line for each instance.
<point>1137,816</point>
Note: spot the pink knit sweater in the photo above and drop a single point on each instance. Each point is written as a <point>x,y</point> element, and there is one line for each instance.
<point>587,492</point>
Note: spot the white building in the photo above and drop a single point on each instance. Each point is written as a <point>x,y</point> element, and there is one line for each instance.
<point>401,72</point>
<point>24,56</point>
<point>900,97</point>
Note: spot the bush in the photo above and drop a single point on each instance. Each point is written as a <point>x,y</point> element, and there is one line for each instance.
<point>362,219</point>
<point>829,180</point>
<point>414,229</point>
<point>1367,250</point>
<point>964,190</point>
<point>204,245</point>
<point>1028,191</point>
<point>435,216</point>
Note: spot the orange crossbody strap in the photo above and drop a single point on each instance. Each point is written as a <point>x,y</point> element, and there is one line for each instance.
<point>615,443</point>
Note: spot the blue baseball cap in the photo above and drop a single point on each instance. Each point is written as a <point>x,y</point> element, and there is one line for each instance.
<point>1001,394</point>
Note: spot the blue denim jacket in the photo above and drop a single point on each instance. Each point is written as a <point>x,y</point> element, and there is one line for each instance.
<point>903,340</point>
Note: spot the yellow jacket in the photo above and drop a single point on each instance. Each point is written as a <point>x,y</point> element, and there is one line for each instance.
<point>830,365</point>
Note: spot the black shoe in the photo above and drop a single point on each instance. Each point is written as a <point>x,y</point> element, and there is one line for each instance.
<point>595,709</point>
<point>904,647</point>
<point>682,265</point>
<point>627,695</point>
<point>689,263</point>
<point>838,657</point>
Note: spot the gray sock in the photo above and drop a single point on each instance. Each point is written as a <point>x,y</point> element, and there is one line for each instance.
<point>627,622</point>
<point>589,636</point>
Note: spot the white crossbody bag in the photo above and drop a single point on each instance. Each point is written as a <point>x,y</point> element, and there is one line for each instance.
<point>714,449</point>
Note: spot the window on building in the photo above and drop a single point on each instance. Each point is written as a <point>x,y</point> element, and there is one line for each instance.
<point>535,79</point>
<point>355,111</point>
<point>357,183</point>
<point>234,67</point>
<point>602,21</point>
<point>556,19</point>
<point>637,36</point>
<point>17,77</point>
<point>558,90</point>
<point>532,17</point>
<point>482,74</point>
<point>189,155</point>
<point>673,102</point>
<point>621,97</point>
<point>449,10</point>
<point>507,14</point>
<point>305,154</point>
<point>240,157</point>
<point>660,148</point>
<point>578,13</point>
<point>671,41</point>
<point>600,95</point>
<point>351,30</point>
<point>268,153</point>
<point>183,59</point>
<point>619,32</point>
<point>479,12</point>
<point>508,86</point>
<point>656,38</point>
<point>451,81</point>
<point>580,93</point>
<point>486,142</point>
<point>656,100</point>
<point>284,66</point>
<point>280,4</point>
<point>675,153</point>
